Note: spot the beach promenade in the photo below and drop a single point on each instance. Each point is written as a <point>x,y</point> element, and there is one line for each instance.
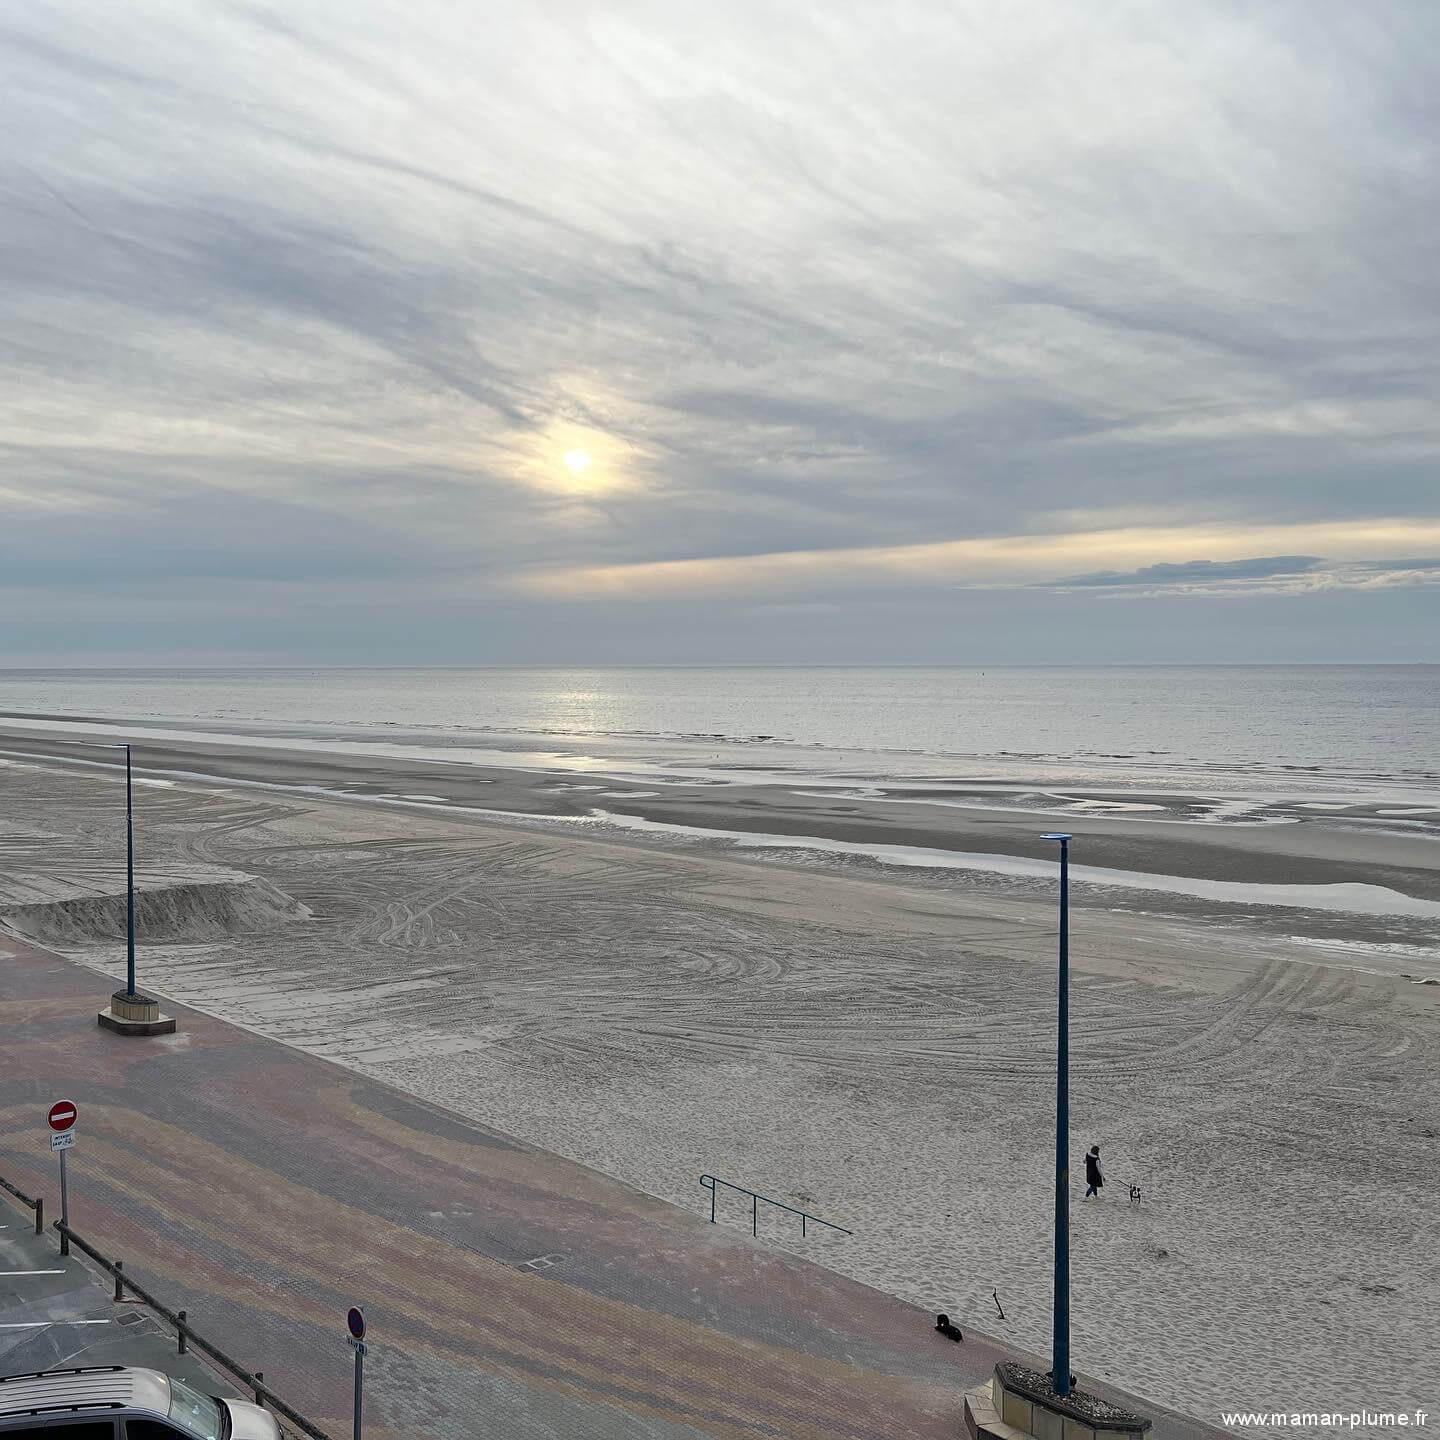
<point>265,1191</point>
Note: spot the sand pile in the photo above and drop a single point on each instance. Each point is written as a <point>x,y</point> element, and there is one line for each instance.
<point>178,910</point>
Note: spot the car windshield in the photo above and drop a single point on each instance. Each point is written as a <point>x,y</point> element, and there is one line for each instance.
<point>194,1413</point>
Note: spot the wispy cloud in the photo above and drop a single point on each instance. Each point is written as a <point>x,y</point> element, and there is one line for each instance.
<point>303,296</point>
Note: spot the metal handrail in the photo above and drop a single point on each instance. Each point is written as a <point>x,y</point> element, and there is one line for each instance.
<point>186,1335</point>
<point>38,1206</point>
<point>711,1181</point>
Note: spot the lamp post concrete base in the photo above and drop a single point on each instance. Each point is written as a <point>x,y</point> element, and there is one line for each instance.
<point>1017,1404</point>
<point>135,1014</point>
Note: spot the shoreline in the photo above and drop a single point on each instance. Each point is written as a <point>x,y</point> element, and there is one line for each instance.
<point>721,756</point>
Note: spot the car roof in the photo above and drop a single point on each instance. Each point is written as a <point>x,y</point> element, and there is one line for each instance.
<point>100,1387</point>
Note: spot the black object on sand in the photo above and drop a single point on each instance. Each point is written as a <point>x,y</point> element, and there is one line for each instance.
<point>949,1331</point>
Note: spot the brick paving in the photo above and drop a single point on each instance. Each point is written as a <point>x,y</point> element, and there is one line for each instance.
<point>266,1191</point>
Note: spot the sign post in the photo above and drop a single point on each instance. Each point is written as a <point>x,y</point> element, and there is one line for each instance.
<point>356,1321</point>
<point>61,1118</point>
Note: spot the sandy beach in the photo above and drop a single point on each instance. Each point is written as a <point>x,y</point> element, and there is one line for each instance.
<point>870,1041</point>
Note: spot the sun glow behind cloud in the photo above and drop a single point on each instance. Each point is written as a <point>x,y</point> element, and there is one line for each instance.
<point>568,458</point>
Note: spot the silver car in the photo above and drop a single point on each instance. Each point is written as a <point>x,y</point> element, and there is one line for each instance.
<point>112,1402</point>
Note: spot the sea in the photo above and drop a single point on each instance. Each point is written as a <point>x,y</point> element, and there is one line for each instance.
<point>1354,729</point>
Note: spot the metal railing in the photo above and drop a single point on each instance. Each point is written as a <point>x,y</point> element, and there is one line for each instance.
<point>711,1181</point>
<point>187,1336</point>
<point>38,1206</point>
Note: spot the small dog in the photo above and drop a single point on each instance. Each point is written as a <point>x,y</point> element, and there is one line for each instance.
<point>949,1331</point>
<point>1135,1195</point>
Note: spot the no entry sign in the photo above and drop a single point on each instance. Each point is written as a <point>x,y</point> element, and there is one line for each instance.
<point>62,1115</point>
<point>61,1118</point>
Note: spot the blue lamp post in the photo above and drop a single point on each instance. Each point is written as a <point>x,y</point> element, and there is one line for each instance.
<point>129,858</point>
<point>129,879</point>
<point>1060,1346</point>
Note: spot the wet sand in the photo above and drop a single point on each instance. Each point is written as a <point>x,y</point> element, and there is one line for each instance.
<point>1271,840</point>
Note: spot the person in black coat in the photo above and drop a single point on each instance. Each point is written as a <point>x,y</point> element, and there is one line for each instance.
<point>1093,1178</point>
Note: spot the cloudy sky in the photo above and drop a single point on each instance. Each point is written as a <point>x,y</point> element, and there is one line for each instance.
<point>970,330</point>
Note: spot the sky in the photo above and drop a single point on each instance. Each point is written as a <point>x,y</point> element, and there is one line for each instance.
<point>966,331</point>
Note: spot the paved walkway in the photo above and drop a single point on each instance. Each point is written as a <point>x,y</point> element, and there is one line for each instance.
<point>266,1191</point>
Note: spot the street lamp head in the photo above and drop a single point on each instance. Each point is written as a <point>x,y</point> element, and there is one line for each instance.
<point>1056,836</point>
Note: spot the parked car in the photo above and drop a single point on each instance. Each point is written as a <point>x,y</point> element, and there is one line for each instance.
<point>113,1402</point>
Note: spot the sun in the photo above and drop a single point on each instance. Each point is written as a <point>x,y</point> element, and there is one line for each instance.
<point>566,458</point>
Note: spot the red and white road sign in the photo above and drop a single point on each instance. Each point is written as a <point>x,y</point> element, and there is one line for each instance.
<point>63,1115</point>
